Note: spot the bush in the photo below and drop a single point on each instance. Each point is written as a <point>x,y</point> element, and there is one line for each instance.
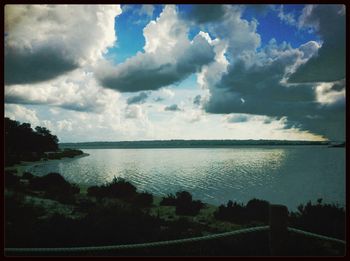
<point>185,205</point>
<point>55,186</point>
<point>27,175</point>
<point>258,210</point>
<point>118,188</point>
<point>232,212</point>
<point>144,199</point>
<point>21,220</point>
<point>94,191</point>
<point>11,180</point>
<point>324,219</point>
<point>170,200</point>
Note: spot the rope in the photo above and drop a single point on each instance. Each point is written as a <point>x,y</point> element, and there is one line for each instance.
<point>309,234</point>
<point>142,245</point>
<point>168,242</point>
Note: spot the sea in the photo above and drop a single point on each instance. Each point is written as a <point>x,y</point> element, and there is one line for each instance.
<point>289,175</point>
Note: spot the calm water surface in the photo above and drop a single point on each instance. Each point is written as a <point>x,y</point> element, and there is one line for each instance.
<point>287,175</point>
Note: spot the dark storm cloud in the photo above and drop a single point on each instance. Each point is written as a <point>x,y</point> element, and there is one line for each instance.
<point>260,84</point>
<point>145,71</point>
<point>80,107</point>
<point>172,107</point>
<point>258,90</point>
<point>327,120</point>
<point>329,65</point>
<point>27,66</point>
<point>45,41</point>
<point>21,99</point>
<point>140,98</point>
<point>205,13</point>
<point>263,83</point>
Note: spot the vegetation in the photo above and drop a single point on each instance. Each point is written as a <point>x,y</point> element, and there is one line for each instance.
<point>55,187</point>
<point>170,200</point>
<point>143,199</point>
<point>324,219</point>
<point>183,203</point>
<point>102,222</point>
<point>255,211</point>
<point>187,143</point>
<point>66,153</point>
<point>121,189</point>
<point>118,188</point>
<point>12,181</point>
<point>22,143</point>
<point>113,217</point>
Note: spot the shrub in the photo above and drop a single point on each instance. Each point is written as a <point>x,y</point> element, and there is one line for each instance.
<point>11,180</point>
<point>258,210</point>
<point>232,212</point>
<point>183,196</point>
<point>185,205</point>
<point>118,188</point>
<point>27,175</point>
<point>144,199</point>
<point>94,191</point>
<point>326,219</point>
<point>55,186</point>
<point>170,200</point>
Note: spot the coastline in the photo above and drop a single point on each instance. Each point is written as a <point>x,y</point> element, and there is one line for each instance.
<point>20,167</point>
<point>204,217</point>
<point>80,209</point>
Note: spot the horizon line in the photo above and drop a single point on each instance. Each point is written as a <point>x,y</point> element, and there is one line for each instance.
<point>202,140</point>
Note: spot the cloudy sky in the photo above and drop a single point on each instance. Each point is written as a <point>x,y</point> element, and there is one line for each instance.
<point>142,72</point>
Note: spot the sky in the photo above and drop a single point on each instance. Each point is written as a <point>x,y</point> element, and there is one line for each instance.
<point>158,72</point>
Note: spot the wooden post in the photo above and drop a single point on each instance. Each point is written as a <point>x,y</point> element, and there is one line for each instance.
<point>278,230</point>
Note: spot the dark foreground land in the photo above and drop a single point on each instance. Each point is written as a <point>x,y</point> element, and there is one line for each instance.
<point>48,211</point>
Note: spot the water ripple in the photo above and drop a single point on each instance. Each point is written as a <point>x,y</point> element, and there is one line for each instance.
<point>279,174</point>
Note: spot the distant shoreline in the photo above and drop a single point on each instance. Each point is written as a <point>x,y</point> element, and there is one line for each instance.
<point>153,144</point>
<point>20,167</point>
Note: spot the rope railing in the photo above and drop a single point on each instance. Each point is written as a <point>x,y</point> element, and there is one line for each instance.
<point>165,243</point>
<point>317,236</point>
<point>142,245</point>
<point>278,238</point>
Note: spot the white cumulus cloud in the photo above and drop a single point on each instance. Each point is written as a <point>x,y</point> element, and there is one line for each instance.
<point>45,41</point>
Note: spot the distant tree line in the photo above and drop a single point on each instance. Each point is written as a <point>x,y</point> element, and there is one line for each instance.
<point>189,143</point>
<point>22,143</point>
